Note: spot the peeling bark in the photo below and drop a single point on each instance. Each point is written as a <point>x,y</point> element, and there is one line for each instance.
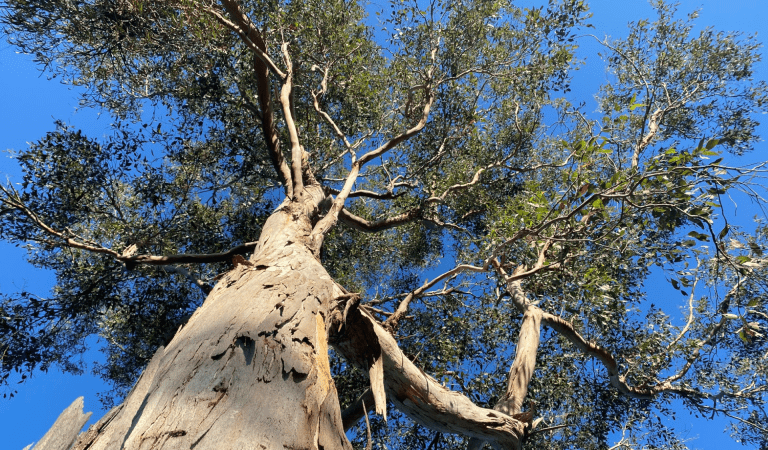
<point>64,431</point>
<point>250,369</point>
<point>363,341</point>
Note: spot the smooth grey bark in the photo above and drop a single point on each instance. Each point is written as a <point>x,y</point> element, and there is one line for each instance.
<point>65,430</point>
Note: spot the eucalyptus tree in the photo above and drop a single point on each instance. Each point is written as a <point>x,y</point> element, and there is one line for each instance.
<point>422,202</point>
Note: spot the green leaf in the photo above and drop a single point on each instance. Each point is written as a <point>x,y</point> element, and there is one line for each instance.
<point>724,231</point>
<point>700,236</point>
<point>744,337</point>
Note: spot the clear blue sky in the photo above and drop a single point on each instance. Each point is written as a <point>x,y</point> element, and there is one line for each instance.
<point>29,103</point>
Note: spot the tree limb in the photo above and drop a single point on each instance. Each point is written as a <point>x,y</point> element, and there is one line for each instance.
<point>128,258</point>
<point>360,224</point>
<point>391,323</point>
<point>244,27</point>
<point>205,287</point>
<point>326,223</point>
<point>297,153</point>
<point>418,395</point>
<point>263,89</point>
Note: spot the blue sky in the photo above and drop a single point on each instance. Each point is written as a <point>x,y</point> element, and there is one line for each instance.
<point>30,103</point>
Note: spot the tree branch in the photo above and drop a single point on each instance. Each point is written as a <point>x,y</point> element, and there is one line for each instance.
<point>418,395</point>
<point>391,323</point>
<point>326,223</point>
<point>360,224</point>
<point>244,27</point>
<point>205,287</point>
<point>263,89</point>
<point>589,348</point>
<point>297,153</point>
<point>329,120</point>
<point>67,239</point>
<point>191,257</point>
<point>408,133</point>
<point>263,65</point>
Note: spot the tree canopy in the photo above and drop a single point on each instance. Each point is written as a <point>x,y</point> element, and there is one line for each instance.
<point>468,193</point>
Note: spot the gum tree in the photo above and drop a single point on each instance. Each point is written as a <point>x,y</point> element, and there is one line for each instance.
<point>301,207</point>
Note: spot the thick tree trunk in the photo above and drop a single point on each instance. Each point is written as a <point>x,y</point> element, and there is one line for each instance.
<point>249,370</point>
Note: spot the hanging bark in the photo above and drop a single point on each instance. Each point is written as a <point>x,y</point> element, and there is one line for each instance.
<point>366,344</point>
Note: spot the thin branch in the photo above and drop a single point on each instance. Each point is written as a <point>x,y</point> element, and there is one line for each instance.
<point>722,309</point>
<point>330,121</point>
<point>390,144</point>
<point>354,412</point>
<point>689,322</point>
<point>66,239</point>
<point>205,287</point>
<point>402,308</point>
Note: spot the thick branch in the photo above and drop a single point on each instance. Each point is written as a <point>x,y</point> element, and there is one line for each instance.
<point>521,371</point>
<point>263,88</point>
<point>417,394</point>
<point>297,153</point>
<point>244,27</point>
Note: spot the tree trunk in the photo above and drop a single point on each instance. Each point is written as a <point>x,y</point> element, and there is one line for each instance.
<point>250,369</point>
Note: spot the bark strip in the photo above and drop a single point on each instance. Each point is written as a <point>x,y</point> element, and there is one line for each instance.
<point>65,430</point>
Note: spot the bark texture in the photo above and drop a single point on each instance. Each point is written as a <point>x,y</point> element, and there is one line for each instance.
<point>64,431</point>
<point>365,343</point>
<point>250,369</point>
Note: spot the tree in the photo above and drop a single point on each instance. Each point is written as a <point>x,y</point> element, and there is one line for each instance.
<point>448,148</point>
